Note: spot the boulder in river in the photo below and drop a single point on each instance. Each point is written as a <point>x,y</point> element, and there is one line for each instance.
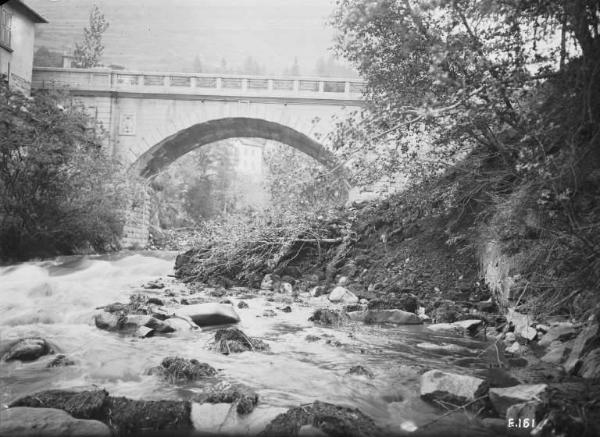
<point>244,398</point>
<point>233,340</point>
<point>397,317</point>
<point>503,398</point>
<point>242,304</point>
<point>451,387</point>
<point>464,326</point>
<point>176,369</point>
<point>324,316</point>
<point>343,295</point>
<point>331,419</point>
<point>28,349</point>
<point>361,371</point>
<point>317,291</point>
<point>270,282</point>
<point>107,321</point>
<point>48,422</point>
<point>89,404</point>
<point>209,314</point>
<point>60,361</point>
<point>406,302</point>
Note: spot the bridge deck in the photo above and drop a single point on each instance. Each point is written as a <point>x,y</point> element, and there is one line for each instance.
<point>196,84</point>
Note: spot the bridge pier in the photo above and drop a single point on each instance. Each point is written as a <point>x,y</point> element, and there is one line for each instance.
<point>136,230</point>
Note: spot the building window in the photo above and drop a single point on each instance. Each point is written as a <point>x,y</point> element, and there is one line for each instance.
<point>5,22</point>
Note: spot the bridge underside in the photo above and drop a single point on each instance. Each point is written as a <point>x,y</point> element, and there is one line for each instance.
<point>162,154</point>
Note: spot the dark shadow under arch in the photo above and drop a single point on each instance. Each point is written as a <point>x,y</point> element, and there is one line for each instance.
<point>158,157</point>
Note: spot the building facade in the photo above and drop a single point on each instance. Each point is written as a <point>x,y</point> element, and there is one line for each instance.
<point>17,36</point>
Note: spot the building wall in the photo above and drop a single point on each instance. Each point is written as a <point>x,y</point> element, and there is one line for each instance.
<point>21,58</point>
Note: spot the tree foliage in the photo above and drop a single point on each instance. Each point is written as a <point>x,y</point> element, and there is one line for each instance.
<point>470,72</point>
<point>89,52</point>
<point>59,192</point>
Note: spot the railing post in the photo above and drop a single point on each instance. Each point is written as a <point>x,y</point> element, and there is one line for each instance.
<point>347,88</point>
<point>219,83</point>
<point>193,82</point>
<point>166,81</point>
<point>270,84</point>
<point>244,84</point>
<point>321,86</point>
<point>296,85</point>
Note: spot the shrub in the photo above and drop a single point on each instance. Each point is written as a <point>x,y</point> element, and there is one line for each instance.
<point>59,191</point>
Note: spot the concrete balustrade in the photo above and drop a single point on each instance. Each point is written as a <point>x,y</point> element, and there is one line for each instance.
<point>197,84</point>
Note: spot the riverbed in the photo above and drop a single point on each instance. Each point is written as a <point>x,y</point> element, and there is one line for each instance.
<point>56,299</point>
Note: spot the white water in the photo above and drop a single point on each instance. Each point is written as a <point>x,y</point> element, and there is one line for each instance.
<point>56,300</point>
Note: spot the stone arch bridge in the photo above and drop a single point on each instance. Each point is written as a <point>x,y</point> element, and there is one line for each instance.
<point>152,119</point>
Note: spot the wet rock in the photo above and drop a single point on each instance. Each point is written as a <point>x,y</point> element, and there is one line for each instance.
<point>270,282</point>
<point>587,338</point>
<point>177,369</point>
<point>498,377</point>
<point>156,301</point>
<point>312,338</point>
<point>443,347</point>
<point>556,352</point>
<point>503,398</point>
<point>317,291</point>
<point>226,302</point>
<point>487,306</point>
<point>269,313</point>
<point>510,337</point>
<point>357,316</point>
<point>331,419</point>
<point>518,321</point>
<point>28,349</point>
<point>462,327</point>
<point>107,321</point>
<point>343,295</point>
<point>451,387</point>
<point>192,300</point>
<point>360,370</point>
<point>245,398</point>
<point>286,287</point>
<point>242,304</point>
<point>154,285</point>
<point>561,331</point>
<point>328,317</point>
<point>129,416</point>
<point>209,314</point>
<point>514,348</point>
<point>528,333</point>
<point>354,307</point>
<point>406,302</point>
<point>311,431</point>
<point>233,340</point>
<point>398,317</point>
<point>446,312</point>
<point>60,361</point>
<point>590,367</point>
<point>144,332</point>
<point>81,405</point>
<point>286,309</point>
<point>48,422</point>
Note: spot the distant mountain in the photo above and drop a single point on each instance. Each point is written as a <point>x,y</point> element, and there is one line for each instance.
<point>168,35</point>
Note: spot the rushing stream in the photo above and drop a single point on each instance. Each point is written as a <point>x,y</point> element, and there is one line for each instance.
<point>56,300</point>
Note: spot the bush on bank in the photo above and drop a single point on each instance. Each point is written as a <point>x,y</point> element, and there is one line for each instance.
<point>59,191</point>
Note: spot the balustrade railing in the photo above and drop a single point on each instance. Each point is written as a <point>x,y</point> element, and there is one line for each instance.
<point>195,83</point>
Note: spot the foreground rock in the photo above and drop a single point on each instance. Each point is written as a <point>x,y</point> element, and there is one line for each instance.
<point>330,419</point>
<point>503,398</point>
<point>450,387</point>
<point>583,344</point>
<point>28,349</point>
<point>60,361</point>
<point>406,302</point>
<point>209,314</point>
<point>397,317</point>
<point>176,369</point>
<point>48,422</point>
<point>233,340</point>
<point>123,415</point>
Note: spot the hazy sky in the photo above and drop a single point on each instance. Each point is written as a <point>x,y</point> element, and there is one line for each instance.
<point>167,35</point>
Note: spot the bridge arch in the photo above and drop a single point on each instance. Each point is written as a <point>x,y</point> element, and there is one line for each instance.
<point>154,160</point>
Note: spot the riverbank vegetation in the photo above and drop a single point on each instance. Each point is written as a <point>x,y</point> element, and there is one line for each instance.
<point>60,193</point>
